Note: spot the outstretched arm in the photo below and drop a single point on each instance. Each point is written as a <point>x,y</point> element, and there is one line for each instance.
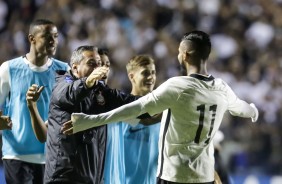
<point>38,125</point>
<point>238,107</point>
<point>153,103</point>
<point>81,121</point>
<point>243,109</point>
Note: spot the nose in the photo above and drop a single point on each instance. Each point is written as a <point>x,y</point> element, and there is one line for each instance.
<point>53,39</point>
<point>151,75</point>
<point>99,63</point>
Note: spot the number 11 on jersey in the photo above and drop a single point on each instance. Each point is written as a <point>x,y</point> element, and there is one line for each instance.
<point>201,108</point>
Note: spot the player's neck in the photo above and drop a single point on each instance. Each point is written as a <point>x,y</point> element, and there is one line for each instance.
<point>36,59</point>
<point>201,69</point>
<point>137,92</point>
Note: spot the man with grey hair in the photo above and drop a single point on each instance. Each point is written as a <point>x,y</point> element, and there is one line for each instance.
<point>77,158</point>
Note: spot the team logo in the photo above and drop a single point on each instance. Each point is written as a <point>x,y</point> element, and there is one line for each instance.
<point>68,79</point>
<point>100,99</point>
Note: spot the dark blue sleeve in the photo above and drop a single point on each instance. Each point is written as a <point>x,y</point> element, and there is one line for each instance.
<point>68,93</point>
<point>119,98</point>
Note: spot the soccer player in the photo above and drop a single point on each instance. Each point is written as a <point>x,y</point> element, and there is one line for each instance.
<point>23,154</point>
<point>193,107</point>
<point>132,151</point>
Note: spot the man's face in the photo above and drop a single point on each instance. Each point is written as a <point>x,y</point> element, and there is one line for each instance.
<point>45,39</point>
<point>105,62</point>
<point>91,60</point>
<point>143,79</point>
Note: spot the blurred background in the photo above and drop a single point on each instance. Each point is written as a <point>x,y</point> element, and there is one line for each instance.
<point>246,38</point>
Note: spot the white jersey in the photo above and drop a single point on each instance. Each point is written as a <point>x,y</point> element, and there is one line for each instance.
<point>193,110</point>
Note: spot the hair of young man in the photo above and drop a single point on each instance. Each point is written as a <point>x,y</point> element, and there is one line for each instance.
<point>103,51</point>
<point>39,22</point>
<point>199,43</point>
<point>139,61</point>
<point>77,55</point>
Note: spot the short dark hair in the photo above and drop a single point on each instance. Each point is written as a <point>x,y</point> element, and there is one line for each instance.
<point>39,22</point>
<point>103,51</point>
<point>201,43</point>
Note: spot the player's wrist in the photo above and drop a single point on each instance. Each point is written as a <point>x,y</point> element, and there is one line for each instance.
<point>90,82</point>
<point>31,104</point>
<point>256,113</point>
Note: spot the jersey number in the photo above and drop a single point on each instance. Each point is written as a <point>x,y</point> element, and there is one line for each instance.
<point>201,108</point>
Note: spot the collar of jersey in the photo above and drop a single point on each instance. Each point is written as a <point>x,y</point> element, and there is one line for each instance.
<point>202,77</point>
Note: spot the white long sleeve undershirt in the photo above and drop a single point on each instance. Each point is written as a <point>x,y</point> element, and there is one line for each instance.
<point>126,112</point>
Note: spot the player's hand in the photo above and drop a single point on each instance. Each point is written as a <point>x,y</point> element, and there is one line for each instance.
<point>33,94</point>
<point>97,74</point>
<point>5,122</point>
<point>67,128</point>
<point>256,115</point>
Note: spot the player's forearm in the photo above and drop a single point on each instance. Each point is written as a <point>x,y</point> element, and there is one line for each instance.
<point>243,109</point>
<point>38,125</point>
<point>82,121</point>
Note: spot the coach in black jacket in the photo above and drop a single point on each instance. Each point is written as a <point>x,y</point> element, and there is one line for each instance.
<point>79,158</point>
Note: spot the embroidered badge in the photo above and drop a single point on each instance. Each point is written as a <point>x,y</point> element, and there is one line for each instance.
<point>68,79</point>
<point>100,99</point>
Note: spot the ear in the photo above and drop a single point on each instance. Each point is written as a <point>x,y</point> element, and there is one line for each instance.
<point>130,76</point>
<point>185,56</point>
<point>74,68</point>
<point>31,38</point>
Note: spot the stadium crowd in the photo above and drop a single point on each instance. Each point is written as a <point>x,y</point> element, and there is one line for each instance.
<point>246,37</point>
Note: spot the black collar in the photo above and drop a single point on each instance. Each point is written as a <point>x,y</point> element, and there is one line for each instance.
<point>202,77</point>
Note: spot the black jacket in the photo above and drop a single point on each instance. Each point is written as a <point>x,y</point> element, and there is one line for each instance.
<point>78,158</point>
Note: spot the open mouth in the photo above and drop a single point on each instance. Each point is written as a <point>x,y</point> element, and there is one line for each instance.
<point>149,83</point>
<point>52,48</point>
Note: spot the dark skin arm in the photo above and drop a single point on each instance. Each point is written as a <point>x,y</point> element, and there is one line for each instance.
<point>152,120</point>
<point>5,122</point>
<point>38,125</point>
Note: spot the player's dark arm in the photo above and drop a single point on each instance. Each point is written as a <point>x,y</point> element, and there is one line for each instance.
<point>147,120</point>
<point>38,125</point>
<point>5,122</point>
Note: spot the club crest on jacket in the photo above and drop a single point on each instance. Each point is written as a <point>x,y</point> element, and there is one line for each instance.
<point>100,98</point>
